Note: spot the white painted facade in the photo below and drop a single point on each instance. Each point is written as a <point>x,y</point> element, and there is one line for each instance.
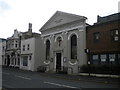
<point>12,56</point>
<point>0,53</point>
<point>31,54</point>
<point>2,50</point>
<point>64,25</point>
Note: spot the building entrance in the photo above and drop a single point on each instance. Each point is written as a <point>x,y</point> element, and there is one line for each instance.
<point>8,60</point>
<point>58,61</point>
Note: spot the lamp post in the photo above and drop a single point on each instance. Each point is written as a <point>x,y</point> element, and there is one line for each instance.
<point>87,51</point>
<point>89,67</point>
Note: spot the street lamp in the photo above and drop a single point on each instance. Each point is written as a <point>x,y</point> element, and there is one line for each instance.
<point>87,51</point>
<point>89,67</point>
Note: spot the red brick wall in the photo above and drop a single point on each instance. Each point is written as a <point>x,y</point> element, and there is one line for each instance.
<point>105,44</point>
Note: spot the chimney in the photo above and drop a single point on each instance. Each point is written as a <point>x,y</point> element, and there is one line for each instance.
<point>15,30</point>
<point>98,18</point>
<point>30,28</point>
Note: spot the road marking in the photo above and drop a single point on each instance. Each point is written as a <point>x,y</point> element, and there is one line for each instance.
<point>23,77</point>
<point>60,85</point>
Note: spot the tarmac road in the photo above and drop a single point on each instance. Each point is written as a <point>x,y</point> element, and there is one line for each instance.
<point>15,78</point>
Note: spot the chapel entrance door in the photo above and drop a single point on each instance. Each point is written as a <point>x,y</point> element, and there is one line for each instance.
<point>58,61</point>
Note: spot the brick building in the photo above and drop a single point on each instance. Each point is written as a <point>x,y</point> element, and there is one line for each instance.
<point>103,40</point>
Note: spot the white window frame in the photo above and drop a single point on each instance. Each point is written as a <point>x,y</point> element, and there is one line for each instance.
<point>112,57</point>
<point>103,57</point>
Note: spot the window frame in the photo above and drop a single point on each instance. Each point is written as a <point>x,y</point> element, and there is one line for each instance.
<point>103,57</point>
<point>28,46</point>
<point>25,60</point>
<point>73,47</point>
<point>47,49</point>
<point>95,34</point>
<point>23,48</point>
<point>113,35</point>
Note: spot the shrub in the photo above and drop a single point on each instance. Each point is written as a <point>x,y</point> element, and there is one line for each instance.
<point>41,69</point>
<point>64,71</point>
<point>101,69</point>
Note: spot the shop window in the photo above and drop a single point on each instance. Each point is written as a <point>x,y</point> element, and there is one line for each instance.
<point>25,60</point>
<point>119,58</point>
<point>95,59</point>
<point>103,58</point>
<point>112,58</point>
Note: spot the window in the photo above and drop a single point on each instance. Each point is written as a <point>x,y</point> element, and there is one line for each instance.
<point>18,59</point>
<point>3,48</point>
<point>25,60</point>
<point>95,59</point>
<point>96,37</point>
<point>114,35</point>
<point>59,39</point>
<point>74,47</point>
<point>12,61</point>
<point>119,58</point>
<point>28,47</point>
<point>30,57</point>
<point>16,45</point>
<point>47,50</point>
<point>112,58</point>
<point>23,47</point>
<point>15,61</point>
<point>103,58</point>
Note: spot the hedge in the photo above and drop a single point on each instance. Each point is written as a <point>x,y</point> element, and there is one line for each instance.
<point>101,69</point>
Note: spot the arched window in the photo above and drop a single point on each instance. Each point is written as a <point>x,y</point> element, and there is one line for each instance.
<point>59,40</point>
<point>74,47</point>
<point>47,49</point>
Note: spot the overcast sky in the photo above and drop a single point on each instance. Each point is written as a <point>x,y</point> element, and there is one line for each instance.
<point>16,14</point>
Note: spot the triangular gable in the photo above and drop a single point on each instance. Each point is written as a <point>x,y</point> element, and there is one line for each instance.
<point>60,18</point>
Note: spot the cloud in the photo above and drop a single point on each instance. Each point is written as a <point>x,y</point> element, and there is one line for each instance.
<point>18,13</point>
<point>4,6</point>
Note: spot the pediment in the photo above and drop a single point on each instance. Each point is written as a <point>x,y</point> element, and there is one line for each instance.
<point>60,18</point>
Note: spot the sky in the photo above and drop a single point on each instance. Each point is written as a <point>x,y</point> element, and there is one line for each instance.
<point>16,14</point>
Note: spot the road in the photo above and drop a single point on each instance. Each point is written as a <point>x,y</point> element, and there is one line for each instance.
<point>12,78</point>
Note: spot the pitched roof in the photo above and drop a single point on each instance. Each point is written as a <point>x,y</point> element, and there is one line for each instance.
<point>108,18</point>
<point>60,18</point>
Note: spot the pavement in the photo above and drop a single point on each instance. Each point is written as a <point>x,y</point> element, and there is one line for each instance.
<point>80,77</point>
